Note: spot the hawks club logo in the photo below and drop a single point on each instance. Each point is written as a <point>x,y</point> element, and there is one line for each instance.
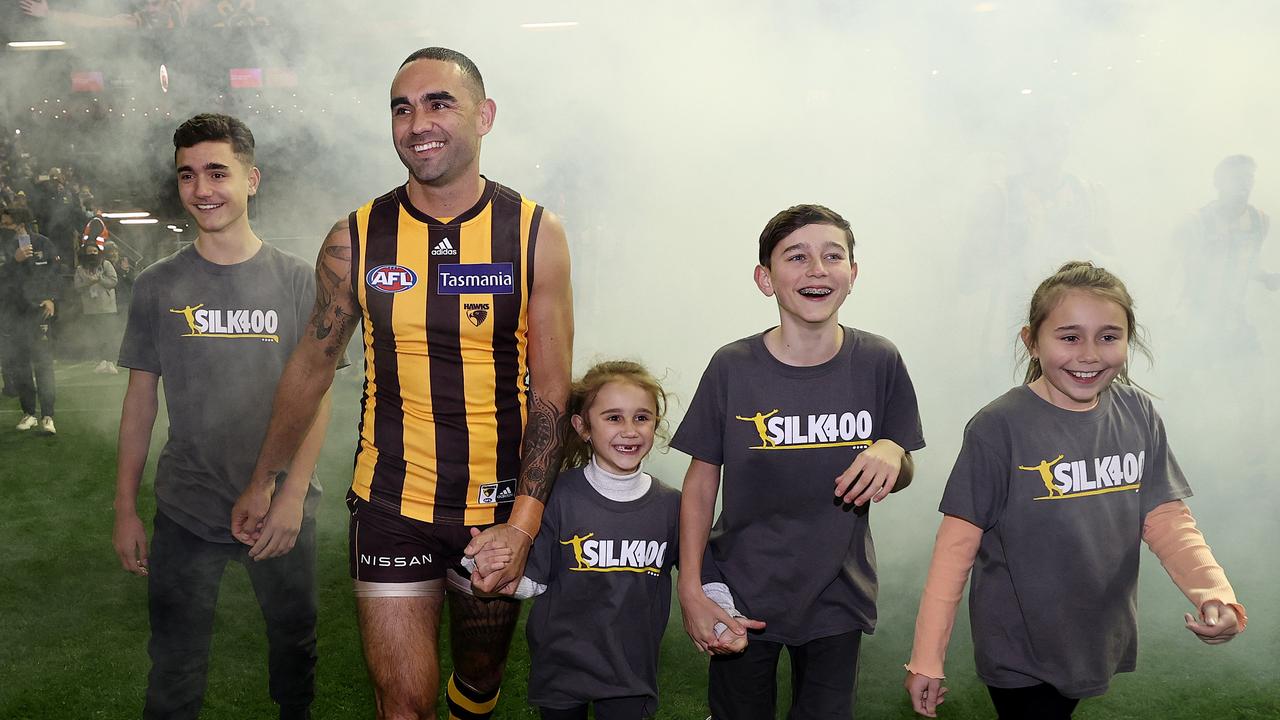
<point>476,312</point>
<point>391,278</point>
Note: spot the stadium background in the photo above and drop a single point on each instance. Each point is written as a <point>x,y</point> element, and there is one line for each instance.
<point>665,136</point>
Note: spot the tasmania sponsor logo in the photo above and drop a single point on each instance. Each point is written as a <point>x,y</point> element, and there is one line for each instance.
<point>1073,479</point>
<point>476,312</point>
<point>795,432</point>
<point>475,278</point>
<point>241,323</point>
<point>395,560</point>
<point>391,278</point>
<point>638,556</point>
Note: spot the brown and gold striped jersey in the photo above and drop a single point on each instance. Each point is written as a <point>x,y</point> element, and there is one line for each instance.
<point>445,305</point>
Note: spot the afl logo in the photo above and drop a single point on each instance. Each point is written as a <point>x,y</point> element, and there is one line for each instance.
<point>391,278</point>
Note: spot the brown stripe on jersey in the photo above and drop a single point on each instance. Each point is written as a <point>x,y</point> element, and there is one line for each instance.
<point>448,401</point>
<point>507,349</point>
<point>533,242</point>
<point>387,483</point>
<point>353,224</point>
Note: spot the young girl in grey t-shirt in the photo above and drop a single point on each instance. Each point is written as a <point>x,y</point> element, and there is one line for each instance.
<point>601,564</point>
<point>1056,481</point>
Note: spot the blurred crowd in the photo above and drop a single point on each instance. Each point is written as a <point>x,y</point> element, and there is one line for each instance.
<point>63,282</point>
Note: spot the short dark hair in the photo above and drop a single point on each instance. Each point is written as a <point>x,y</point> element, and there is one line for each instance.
<point>19,215</point>
<point>796,217</point>
<point>215,127</point>
<point>463,62</point>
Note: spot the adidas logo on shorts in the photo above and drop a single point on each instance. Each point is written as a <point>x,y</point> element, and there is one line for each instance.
<point>444,247</point>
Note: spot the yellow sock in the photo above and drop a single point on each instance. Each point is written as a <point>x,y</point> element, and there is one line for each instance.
<point>466,703</point>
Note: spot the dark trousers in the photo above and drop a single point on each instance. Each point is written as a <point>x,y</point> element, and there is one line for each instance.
<point>1038,702</point>
<point>28,351</point>
<point>637,707</point>
<point>824,680</point>
<point>184,574</point>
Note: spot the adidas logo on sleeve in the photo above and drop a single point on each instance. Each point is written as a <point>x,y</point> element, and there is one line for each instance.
<point>444,247</point>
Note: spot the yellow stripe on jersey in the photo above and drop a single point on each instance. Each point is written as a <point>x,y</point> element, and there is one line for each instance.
<point>479,375</point>
<point>367,452</point>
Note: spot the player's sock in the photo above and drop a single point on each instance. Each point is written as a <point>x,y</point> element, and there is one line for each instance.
<point>467,703</point>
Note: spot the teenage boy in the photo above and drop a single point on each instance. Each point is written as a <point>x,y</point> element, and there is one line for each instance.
<point>811,421</point>
<point>217,320</point>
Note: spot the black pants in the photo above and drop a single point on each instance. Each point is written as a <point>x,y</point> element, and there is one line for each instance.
<point>1038,702</point>
<point>824,680</point>
<point>637,707</point>
<point>29,351</point>
<point>182,587</point>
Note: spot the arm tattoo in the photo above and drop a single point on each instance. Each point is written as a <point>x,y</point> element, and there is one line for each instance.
<point>544,435</point>
<point>332,270</point>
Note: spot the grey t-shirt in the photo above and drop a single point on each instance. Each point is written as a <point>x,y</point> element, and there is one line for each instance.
<point>595,632</point>
<point>219,337</point>
<point>790,552</point>
<point>1061,497</point>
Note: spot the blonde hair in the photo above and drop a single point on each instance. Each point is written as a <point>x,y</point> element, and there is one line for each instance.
<point>577,452</point>
<point>1081,275</point>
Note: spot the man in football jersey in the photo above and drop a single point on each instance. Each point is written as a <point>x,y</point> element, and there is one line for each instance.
<point>463,288</point>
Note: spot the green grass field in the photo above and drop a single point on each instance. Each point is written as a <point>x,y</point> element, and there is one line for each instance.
<point>74,630</point>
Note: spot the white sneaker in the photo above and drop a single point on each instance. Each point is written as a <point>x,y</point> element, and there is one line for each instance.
<point>110,368</point>
<point>46,424</point>
<point>101,369</point>
<point>27,422</point>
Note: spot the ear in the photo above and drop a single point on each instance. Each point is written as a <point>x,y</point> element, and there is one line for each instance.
<point>255,177</point>
<point>763,281</point>
<point>579,426</point>
<point>853,275</point>
<point>488,112</point>
<point>1028,341</point>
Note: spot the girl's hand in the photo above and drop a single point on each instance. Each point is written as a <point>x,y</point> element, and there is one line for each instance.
<point>700,617</point>
<point>1217,624</point>
<point>492,559</point>
<point>731,643</point>
<point>926,693</point>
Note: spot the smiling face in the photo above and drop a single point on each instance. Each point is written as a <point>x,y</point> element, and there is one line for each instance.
<point>215,185</point>
<point>1082,345</point>
<point>619,426</point>
<point>437,121</point>
<point>810,274</point>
